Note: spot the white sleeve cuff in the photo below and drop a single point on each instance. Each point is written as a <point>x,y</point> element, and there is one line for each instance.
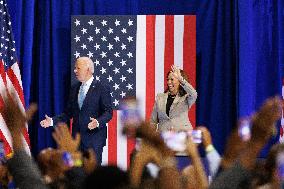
<point>98,124</point>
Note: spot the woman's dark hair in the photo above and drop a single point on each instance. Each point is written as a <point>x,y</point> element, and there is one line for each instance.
<point>181,91</point>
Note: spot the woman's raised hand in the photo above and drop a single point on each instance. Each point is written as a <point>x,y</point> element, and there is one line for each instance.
<point>176,72</point>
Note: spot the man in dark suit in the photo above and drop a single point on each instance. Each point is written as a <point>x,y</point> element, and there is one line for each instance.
<point>90,107</point>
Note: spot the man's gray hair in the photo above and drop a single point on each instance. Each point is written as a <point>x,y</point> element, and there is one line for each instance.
<point>89,62</point>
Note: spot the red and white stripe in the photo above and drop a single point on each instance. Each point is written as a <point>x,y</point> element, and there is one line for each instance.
<point>161,41</point>
<point>281,137</point>
<point>11,81</point>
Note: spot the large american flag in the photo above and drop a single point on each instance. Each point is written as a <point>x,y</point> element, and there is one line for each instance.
<point>132,54</point>
<point>10,79</point>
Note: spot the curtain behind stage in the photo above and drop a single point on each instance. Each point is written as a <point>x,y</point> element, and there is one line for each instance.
<point>239,54</point>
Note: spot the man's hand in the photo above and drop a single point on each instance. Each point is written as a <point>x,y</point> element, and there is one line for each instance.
<point>93,124</point>
<point>64,140</point>
<point>46,122</point>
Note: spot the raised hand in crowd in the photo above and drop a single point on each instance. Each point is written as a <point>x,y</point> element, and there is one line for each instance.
<point>12,113</point>
<point>148,133</point>
<point>263,127</point>
<point>21,163</point>
<point>64,140</point>
<point>67,143</point>
<point>146,154</point>
<point>235,145</point>
<point>15,118</point>
<point>206,136</point>
<point>264,121</point>
<point>212,156</point>
<point>153,149</point>
<point>196,177</point>
<point>75,172</point>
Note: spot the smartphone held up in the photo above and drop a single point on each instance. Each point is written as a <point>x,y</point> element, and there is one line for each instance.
<point>244,129</point>
<point>130,112</point>
<point>177,140</point>
<point>130,115</point>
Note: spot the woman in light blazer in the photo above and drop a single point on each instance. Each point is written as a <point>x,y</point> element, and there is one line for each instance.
<point>170,111</point>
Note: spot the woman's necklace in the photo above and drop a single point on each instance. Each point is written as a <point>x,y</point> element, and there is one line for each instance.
<point>172,96</point>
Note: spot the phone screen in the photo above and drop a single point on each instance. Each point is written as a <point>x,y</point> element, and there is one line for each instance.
<point>244,129</point>
<point>67,159</point>
<point>130,112</point>
<point>175,140</point>
<point>196,136</point>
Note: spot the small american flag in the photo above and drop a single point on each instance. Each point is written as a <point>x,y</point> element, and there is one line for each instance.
<point>132,54</point>
<point>10,75</point>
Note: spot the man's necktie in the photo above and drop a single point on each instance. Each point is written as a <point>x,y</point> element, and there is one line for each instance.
<point>82,95</point>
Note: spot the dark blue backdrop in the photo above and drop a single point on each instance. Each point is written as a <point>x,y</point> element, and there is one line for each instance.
<point>239,54</point>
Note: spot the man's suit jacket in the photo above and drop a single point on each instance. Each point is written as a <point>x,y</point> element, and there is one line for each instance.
<point>178,114</point>
<point>97,104</point>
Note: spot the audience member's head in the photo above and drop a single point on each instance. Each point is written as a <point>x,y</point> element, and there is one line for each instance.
<point>4,179</point>
<point>270,166</point>
<point>107,177</point>
<point>51,164</point>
